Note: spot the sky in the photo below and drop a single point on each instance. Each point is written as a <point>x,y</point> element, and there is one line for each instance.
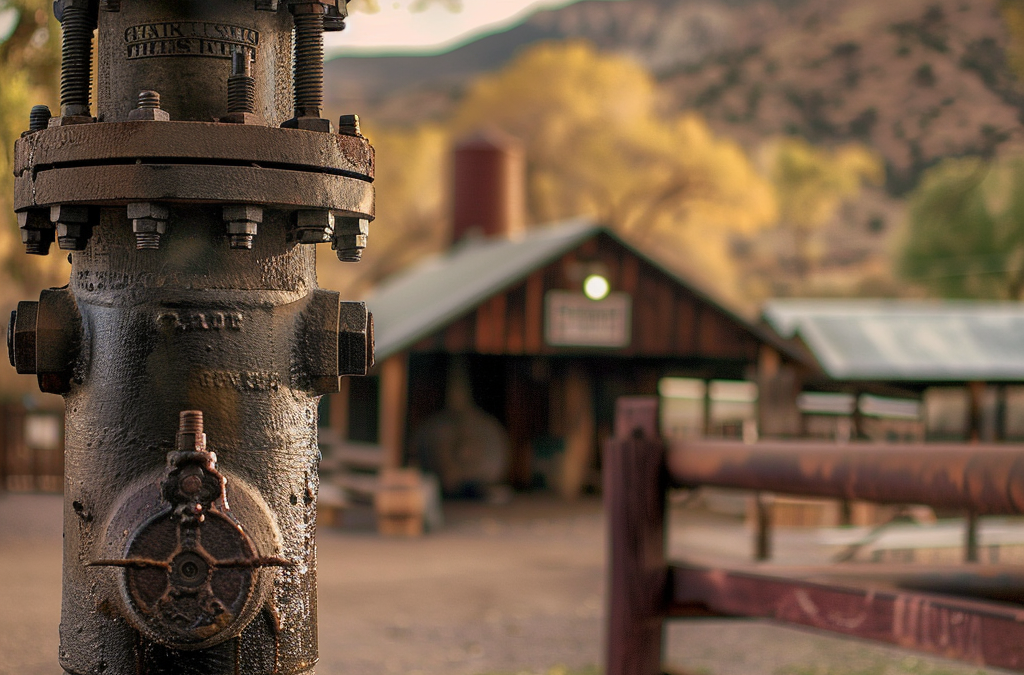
<point>395,29</point>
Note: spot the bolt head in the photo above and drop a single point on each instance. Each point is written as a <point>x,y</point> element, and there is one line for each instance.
<point>68,214</point>
<point>310,124</point>
<point>318,219</point>
<point>249,212</point>
<point>148,210</point>
<point>149,226</point>
<point>243,227</point>
<point>355,339</point>
<point>37,242</point>
<point>149,115</point>
<point>243,118</point>
<point>34,219</point>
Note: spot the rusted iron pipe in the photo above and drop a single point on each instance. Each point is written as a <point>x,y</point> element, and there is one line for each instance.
<point>982,479</point>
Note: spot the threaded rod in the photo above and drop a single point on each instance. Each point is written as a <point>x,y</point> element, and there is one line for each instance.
<point>309,64</point>
<point>39,118</point>
<point>76,61</point>
<point>190,422</point>
<point>149,99</point>
<point>241,85</point>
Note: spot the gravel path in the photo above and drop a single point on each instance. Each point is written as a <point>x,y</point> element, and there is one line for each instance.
<point>509,590</point>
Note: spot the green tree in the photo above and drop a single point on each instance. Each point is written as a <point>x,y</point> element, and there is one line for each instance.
<point>964,236</point>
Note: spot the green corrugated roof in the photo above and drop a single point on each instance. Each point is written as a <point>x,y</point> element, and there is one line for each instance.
<point>432,294</point>
<point>907,340</point>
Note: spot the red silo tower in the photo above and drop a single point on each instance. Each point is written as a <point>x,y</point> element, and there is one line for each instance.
<point>489,186</point>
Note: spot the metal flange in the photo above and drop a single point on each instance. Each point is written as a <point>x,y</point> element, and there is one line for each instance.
<point>203,142</point>
<point>184,183</point>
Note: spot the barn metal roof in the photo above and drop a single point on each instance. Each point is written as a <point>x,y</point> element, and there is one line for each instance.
<point>904,340</point>
<point>427,297</point>
<point>412,304</point>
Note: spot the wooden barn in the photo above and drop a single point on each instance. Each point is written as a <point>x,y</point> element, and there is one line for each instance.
<point>500,360</point>
<point>508,325</point>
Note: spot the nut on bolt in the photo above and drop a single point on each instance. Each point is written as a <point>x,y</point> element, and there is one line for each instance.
<point>37,231</point>
<point>149,108</point>
<point>149,223</point>
<point>21,337</point>
<point>242,222</point>
<point>350,238</point>
<point>355,339</point>
<point>313,226</point>
<point>74,225</point>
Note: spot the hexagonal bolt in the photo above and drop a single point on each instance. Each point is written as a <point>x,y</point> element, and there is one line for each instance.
<point>74,225</point>
<point>334,19</point>
<point>37,232</point>
<point>313,227</point>
<point>149,223</point>
<point>21,337</point>
<point>242,221</point>
<point>355,339</point>
<point>149,108</point>
<point>350,238</point>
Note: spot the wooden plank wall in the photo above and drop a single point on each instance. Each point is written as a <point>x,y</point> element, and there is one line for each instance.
<point>669,320</point>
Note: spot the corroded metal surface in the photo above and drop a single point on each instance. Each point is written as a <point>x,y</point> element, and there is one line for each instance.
<point>982,633</point>
<point>192,343</point>
<point>983,479</point>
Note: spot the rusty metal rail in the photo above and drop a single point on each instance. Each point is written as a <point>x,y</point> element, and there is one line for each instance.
<point>983,479</point>
<point>949,612</point>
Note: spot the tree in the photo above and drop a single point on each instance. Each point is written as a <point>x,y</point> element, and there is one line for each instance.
<point>598,145</point>
<point>810,185</point>
<point>412,188</point>
<point>29,73</point>
<point>964,236</point>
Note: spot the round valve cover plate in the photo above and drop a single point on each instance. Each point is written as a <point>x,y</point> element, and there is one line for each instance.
<point>192,583</point>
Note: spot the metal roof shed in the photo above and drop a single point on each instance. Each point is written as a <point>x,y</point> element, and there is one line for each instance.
<point>913,345</point>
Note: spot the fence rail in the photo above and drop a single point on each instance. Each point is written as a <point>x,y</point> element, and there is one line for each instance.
<point>949,613</point>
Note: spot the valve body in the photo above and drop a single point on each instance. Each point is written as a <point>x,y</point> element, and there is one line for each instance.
<point>192,343</point>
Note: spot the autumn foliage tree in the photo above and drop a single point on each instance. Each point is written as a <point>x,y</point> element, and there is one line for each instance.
<point>597,145</point>
<point>811,183</point>
<point>29,74</point>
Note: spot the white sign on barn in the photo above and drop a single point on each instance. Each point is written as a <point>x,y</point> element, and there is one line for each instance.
<point>574,320</point>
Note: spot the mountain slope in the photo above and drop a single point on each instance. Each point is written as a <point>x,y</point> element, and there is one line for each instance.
<point>916,79</point>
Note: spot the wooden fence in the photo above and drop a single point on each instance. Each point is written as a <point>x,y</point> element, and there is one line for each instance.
<point>31,450</point>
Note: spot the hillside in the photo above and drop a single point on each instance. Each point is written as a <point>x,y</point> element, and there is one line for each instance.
<point>916,79</point>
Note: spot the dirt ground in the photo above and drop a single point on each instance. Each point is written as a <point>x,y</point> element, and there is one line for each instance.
<point>516,589</point>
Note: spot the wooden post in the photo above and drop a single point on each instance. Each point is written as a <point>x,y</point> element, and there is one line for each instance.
<point>394,392</point>
<point>634,488</point>
<point>337,410</point>
<point>707,408</point>
<point>763,526</point>
<point>976,395</point>
<point>581,431</point>
<point>971,538</point>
